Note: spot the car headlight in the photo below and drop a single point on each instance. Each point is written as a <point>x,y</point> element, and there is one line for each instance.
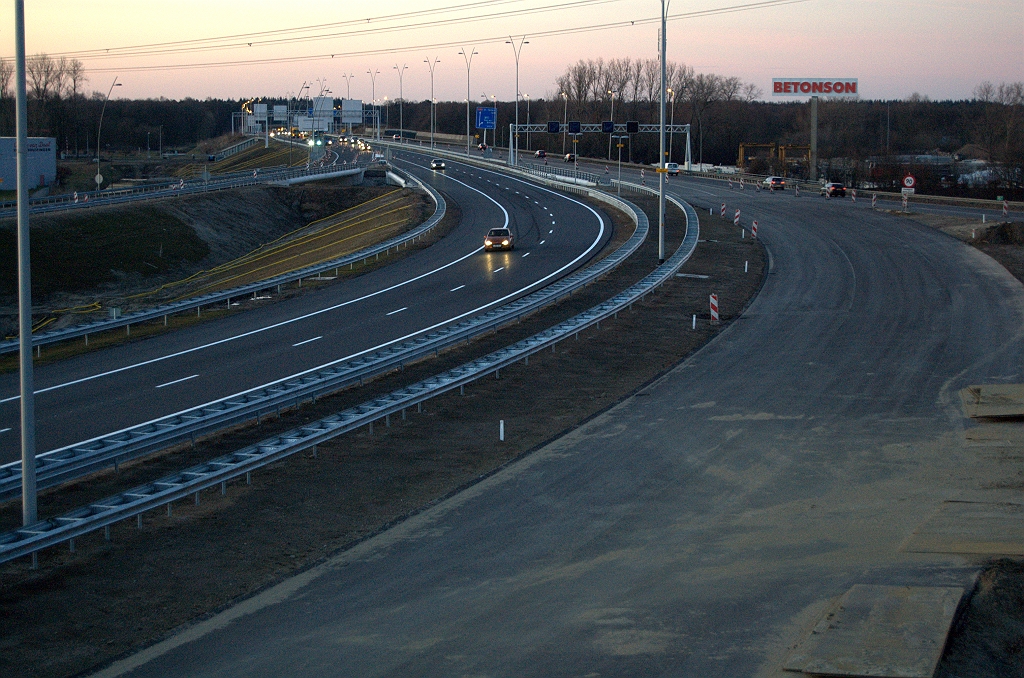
<point>504,242</point>
<point>488,243</point>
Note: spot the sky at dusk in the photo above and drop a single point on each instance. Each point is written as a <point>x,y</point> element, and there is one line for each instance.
<point>940,48</point>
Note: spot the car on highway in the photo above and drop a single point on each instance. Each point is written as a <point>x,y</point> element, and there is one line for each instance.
<point>775,183</point>
<point>672,168</point>
<point>499,239</point>
<point>833,189</point>
<point>437,164</point>
<point>541,153</point>
<point>570,157</point>
<point>481,147</point>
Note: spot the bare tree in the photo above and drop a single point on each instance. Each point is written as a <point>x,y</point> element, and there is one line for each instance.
<point>6,73</point>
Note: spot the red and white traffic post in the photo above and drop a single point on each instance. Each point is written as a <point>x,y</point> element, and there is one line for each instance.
<point>753,229</point>
<point>853,194</point>
<point>722,213</point>
<point>874,200</point>
<point>1006,209</point>
<point>714,308</point>
<point>736,219</point>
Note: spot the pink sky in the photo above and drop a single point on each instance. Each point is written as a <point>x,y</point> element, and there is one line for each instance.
<point>939,48</point>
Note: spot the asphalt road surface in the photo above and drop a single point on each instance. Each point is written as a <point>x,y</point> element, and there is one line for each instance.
<point>697,527</point>
<point>106,391</point>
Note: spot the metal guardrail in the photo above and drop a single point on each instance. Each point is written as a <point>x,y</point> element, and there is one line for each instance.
<point>128,319</point>
<point>134,502</point>
<point>67,463</point>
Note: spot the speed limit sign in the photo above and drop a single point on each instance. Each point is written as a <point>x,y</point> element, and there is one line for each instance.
<point>909,181</point>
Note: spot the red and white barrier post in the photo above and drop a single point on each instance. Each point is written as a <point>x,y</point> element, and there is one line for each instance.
<point>722,213</point>
<point>853,194</point>
<point>1006,209</point>
<point>736,219</point>
<point>753,229</point>
<point>904,203</point>
<point>796,190</point>
<point>874,200</point>
<point>730,184</point>
<point>714,308</point>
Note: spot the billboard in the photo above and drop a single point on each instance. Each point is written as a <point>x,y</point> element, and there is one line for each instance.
<point>42,162</point>
<point>259,111</point>
<point>486,117</point>
<point>352,111</point>
<point>280,113</point>
<point>803,87</point>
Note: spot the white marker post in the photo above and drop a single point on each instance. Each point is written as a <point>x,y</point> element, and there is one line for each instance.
<point>874,200</point>
<point>501,430</point>
<point>722,213</point>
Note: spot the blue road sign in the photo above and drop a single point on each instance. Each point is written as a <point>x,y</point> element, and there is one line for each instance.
<point>554,127</point>
<point>574,127</point>
<point>607,126</point>
<point>486,117</point>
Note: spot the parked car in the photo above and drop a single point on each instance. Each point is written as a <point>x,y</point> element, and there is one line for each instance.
<point>833,189</point>
<point>499,239</point>
<point>437,164</point>
<point>775,183</point>
<point>541,153</point>
<point>672,168</point>
<point>570,157</point>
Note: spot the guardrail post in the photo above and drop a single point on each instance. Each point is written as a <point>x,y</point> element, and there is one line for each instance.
<point>106,532</point>
<point>138,521</point>
<point>224,486</point>
<point>168,509</point>
<point>197,499</point>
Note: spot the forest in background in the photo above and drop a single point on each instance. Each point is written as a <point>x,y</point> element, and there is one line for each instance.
<point>858,140</point>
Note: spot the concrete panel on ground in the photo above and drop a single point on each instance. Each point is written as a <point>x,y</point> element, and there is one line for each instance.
<point>993,400</point>
<point>993,527</point>
<point>880,631</point>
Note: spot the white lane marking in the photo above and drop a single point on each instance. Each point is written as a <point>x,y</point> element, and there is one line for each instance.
<point>498,269</point>
<point>552,223</point>
<point>404,308</point>
<point>4,430</point>
<point>291,320</point>
<point>551,231</point>
<point>454,289</point>
<point>526,255</point>
<point>178,381</point>
<point>307,341</point>
<point>397,340</point>
<point>541,242</point>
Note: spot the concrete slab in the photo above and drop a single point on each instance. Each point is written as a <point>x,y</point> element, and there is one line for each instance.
<point>880,631</point>
<point>994,527</point>
<point>993,400</point>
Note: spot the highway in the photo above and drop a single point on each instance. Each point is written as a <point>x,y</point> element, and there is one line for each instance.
<point>698,528</point>
<point>109,390</point>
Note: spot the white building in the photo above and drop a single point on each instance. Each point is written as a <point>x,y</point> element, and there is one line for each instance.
<point>42,162</point>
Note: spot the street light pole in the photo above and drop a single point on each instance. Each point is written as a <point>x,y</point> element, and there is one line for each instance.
<point>513,143</point>
<point>661,134</point>
<point>99,177</point>
<point>671,124</point>
<point>29,513</point>
<point>468,57</point>
<point>565,119</point>
<point>348,95</point>
<point>373,103</point>
<point>401,103</point>
<point>613,124</point>
<point>527,97</point>
<point>431,65</point>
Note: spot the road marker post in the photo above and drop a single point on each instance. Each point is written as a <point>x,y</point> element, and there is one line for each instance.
<point>722,213</point>
<point>694,326</point>
<point>501,430</point>
<point>745,265</point>
<point>736,218</point>
<point>1006,209</point>
<point>796,190</point>
<point>874,200</point>
<point>853,194</point>
<point>714,308</point>
<point>904,202</point>
<point>753,229</point>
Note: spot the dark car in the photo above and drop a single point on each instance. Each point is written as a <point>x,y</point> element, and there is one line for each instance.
<point>541,153</point>
<point>437,164</point>
<point>499,239</point>
<point>833,189</point>
<point>570,157</point>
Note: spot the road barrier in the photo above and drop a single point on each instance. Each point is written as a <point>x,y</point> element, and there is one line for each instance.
<point>134,502</point>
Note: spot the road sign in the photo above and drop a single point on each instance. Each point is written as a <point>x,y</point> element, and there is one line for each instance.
<point>575,127</point>
<point>486,117</point>
<point>607,126</point>
<point>632,127</point>
<point>99,178</point>
<point>909,181</point>
<point>907,191</point>
<point>554,127</point>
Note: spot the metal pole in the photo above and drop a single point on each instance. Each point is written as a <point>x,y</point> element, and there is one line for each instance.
<point>513,142</point>
<point>565,120</point>
<point>431,65</point>
<point>661,134</point>
<point>100,131</point>
<point>527,122</point>
<point>373,103</point>
<point>28,423</point>
<point>672,124</point>
<point>611,134</point>
<point>814,138</point>
<point>468,56</point>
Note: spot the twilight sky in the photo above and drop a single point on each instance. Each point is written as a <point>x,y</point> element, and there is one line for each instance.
<point>938,48</point>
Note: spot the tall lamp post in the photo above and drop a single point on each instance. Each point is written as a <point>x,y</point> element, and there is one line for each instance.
<point>468,56</point>
<point>513,143</point>
<point>671,123</point>
<point>431,65</point>
<point>373,98</point>
<point>99,177</point>
<point>565,119</point>
<point>348,94</point>
<point>661,135</point>
<point>527,97</point>
<point>401,103</point>
<point>613,124</point>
